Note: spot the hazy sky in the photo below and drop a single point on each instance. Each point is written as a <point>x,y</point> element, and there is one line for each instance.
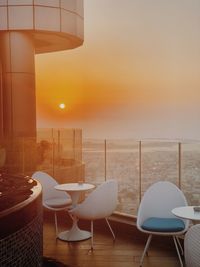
<point>137,74</point>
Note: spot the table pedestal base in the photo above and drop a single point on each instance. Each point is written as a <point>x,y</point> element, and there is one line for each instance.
<point>74,234</point>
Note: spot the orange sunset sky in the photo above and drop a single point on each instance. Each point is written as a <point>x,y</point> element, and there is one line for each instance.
<point>137,74</point>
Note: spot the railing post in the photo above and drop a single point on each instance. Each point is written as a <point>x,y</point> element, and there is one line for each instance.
<point>53,156</point>
<point>105,158</point>
<point>140,170</point>
<point>58,156</point>
<point>74,144</point>
<point>179,164</point>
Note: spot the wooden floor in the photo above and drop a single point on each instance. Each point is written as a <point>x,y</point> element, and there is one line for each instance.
<point>124,252</point>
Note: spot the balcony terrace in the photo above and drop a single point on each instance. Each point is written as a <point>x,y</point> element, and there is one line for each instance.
<point>135,164</point>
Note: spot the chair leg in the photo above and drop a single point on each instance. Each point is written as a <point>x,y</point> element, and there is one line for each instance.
<point>92,237</point>
<point>145,249</point>
<point>178,241</point>
<point>56,223</point>
<point>110,228</point>
<point>179,256</point>
<point>71,216</point>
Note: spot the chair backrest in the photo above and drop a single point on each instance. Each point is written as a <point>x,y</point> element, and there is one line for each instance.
<point>48,184</point>
<point>158,201</point>
<point>192,246</point>
<point>101,202</point>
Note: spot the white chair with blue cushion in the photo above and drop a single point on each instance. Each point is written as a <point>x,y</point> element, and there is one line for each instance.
<point>52,199</point>
<point>155,216</point>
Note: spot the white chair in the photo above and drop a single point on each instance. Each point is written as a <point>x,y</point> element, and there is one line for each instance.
<point>99,204</point>
<point>192,246</point>
<point>53,199</point>
<point>155,216</point>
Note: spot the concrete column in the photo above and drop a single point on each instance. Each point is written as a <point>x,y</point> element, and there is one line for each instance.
<point>18,83</point>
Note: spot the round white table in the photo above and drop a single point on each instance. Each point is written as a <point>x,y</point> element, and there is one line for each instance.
<point>74,189</point>
<point>187,212</point>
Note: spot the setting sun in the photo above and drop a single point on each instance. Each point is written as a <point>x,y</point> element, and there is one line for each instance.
<point>62,106</point>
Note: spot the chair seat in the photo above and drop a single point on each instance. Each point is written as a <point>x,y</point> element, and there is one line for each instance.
<point>163,224</point>
<point>57,202</point>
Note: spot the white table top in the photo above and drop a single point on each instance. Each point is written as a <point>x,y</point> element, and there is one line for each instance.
<point>187,212</point>
<point>74,187</point>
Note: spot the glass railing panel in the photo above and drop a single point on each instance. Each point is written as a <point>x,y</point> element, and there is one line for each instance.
<point>78,144</point>
<point>64,143</point>
<point>159,162</point>
<point>45,155</point>
<point>44,133</point>
<point>94,160</point>
<point>122,161</point>
<point>190,172</point>
<point>66,167</point>
<point>45,150</point>
<point>66,151</point>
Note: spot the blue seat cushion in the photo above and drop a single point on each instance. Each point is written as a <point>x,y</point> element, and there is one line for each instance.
<point>163,224</point>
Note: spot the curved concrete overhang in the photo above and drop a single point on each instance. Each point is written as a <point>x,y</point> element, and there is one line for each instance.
<point>53,25</point>
<point>51,42</point>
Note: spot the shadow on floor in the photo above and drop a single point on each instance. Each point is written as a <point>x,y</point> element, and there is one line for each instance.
<point>49,262</point>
